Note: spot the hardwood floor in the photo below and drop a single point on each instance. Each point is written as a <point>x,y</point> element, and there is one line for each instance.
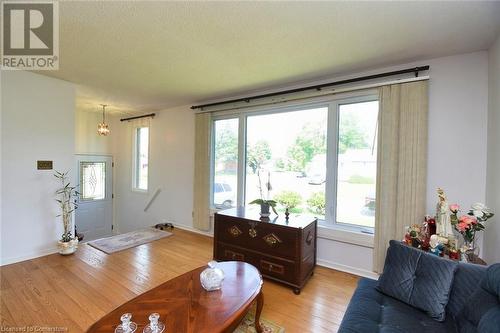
<point>73,292</point>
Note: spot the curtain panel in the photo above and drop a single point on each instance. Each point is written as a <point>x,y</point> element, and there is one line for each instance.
<point>201,194</point>
<point>401,163</point>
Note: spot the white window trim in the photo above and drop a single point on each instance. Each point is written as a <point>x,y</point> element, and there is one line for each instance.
<point>334,230</point>
<point>134,159</point>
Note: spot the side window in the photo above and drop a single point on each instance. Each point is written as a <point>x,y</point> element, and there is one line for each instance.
<point>141,159</point>
<point>225,163</point>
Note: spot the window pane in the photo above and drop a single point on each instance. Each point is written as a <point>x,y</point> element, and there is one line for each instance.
<point>289,149</point>
<point>92,180</point>
<point>142,158</point>
<point>225,163</point>
<point>357,163</point>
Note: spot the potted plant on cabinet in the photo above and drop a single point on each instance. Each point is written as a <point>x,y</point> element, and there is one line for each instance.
<point>65,195</point>
<point>265,204</point>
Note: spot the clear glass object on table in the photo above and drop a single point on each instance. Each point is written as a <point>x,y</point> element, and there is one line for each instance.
<point>127,325</point>
<point>211,278</point>
<point>154,326</point>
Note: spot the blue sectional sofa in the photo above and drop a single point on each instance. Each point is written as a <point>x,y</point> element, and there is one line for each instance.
<point>419,292</point>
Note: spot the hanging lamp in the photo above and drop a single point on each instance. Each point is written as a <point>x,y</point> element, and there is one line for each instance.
<point>103,128</point>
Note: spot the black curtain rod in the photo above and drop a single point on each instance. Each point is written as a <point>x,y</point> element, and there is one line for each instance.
<point>137,117</point>
<point>318,86</point>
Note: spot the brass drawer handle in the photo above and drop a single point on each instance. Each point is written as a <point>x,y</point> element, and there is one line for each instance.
<point>252,232</point>
<point>235,231</point>
<point>271,239</point>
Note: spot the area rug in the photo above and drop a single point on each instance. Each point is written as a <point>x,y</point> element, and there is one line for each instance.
<point>248,325</point>
<point>130,239</point>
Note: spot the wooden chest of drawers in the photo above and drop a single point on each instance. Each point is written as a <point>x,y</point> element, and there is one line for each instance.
<point>283,250</point>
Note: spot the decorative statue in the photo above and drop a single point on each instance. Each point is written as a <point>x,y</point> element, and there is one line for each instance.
<point>443,221</point>
<point>434,245</point>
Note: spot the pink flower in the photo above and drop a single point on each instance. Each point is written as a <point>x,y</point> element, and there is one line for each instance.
<point>467,219</point>
<point>454,208</point>
<point>462,226</point>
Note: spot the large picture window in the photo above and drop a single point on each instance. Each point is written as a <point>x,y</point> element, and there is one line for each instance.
<point>289,150</point>
<point>320,160</point>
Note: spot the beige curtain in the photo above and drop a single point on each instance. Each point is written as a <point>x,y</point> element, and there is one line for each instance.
<point>401,163</point>
<point>201,197</point>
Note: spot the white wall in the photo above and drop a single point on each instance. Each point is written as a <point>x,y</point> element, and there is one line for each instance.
<point>37,124</point>
<point>492,236</point>
<point>87,141</point>
<point>458,112</point>
<point>171,169</point>
<point>457,156</point>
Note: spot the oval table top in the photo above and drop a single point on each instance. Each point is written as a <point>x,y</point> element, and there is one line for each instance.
<point>184,306</point>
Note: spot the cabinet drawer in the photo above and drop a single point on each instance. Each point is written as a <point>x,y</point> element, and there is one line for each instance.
<point>232,255</point>
<point>228,253</point>
<point>280,269</point>
<point>271,267</point>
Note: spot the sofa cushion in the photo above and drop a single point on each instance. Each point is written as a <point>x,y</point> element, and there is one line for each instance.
<point>478,305</point>
<point>372,311</point>
<point>483,301</point>
<point>492,281</point>
<point>466,275</point>
<point>490,322</point>
<point>418,279</point>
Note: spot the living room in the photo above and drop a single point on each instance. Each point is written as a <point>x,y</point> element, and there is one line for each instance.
<point>296,137</point>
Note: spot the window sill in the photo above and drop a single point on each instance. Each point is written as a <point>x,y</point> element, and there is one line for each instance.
<point>345,234</point>
<point>137,190</point>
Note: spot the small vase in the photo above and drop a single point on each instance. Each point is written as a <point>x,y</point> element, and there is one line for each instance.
<point>67,248</point>
<point>469,250</point>
<point>264,210</point>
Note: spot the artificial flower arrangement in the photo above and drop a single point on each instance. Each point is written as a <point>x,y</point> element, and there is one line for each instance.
<point>467,225</point>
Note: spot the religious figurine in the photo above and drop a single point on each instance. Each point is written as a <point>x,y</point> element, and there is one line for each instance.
<point>435,246</point>
<point>443,220</point>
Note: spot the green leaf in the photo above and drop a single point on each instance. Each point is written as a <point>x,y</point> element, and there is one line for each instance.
<point>271,203</point>
<point>257,202</point>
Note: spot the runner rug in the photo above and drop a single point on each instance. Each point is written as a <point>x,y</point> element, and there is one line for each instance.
<point>130,239</point>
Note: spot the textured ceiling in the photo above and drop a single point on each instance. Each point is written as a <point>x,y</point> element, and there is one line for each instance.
<point>151,55</point>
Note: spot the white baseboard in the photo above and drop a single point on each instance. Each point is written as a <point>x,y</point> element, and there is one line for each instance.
<point>184,227</point>
<point>28,256</point>
<point>348,269</point>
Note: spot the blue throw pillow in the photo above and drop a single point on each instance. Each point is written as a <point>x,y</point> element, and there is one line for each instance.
<point>419,279</point>
<point>492,281</point>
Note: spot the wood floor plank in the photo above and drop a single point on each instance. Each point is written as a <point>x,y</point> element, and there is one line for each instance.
<point>75,291</point>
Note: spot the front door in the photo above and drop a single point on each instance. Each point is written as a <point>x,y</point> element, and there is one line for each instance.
<point>94,216</point>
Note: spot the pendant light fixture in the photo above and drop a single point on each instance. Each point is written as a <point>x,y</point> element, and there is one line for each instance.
<point>103,128</point>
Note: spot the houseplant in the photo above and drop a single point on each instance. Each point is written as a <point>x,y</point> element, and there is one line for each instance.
<point>64,197</point>
<point>265,203</point>
<point>467,225</point>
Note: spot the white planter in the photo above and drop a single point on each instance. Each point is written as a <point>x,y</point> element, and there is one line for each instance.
<point>66,248</point>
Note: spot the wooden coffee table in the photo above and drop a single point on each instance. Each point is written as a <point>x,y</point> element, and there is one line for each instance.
<point>184,306</point>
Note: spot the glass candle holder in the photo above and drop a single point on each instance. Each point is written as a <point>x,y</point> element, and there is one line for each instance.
<point>127,325</point>
<point>154,326</point>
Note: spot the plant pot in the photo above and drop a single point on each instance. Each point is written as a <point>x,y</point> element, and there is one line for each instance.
<point>67,248</point>
<point>264,210</point>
